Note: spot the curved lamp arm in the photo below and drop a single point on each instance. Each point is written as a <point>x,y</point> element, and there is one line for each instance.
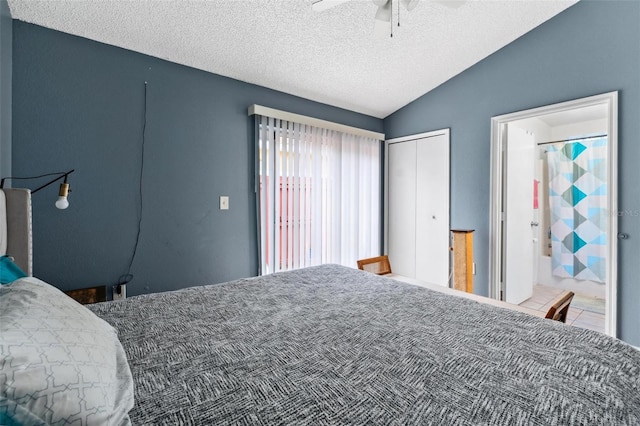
<point>62,202</point>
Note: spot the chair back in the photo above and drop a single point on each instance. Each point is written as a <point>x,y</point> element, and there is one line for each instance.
<point>558,311</point>
<point>377,265</point>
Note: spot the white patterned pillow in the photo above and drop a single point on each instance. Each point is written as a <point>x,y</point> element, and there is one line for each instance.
<point>59,362</point>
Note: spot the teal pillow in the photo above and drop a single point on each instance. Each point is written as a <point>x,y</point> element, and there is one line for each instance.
<point>9,271</point>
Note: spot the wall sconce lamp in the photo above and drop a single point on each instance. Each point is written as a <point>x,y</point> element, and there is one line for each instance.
<point>62,202</point>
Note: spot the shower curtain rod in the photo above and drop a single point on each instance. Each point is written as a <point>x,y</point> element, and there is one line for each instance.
<point>573,140</point>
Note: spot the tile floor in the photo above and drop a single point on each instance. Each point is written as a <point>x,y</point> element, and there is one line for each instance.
<point>543,297</point>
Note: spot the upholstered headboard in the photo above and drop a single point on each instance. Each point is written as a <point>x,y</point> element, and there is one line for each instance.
<point>15,227</point>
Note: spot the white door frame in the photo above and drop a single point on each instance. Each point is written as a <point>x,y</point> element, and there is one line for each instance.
<point>387,142</point>
<point>497,149</point>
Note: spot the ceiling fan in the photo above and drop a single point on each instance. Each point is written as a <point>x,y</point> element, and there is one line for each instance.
<point>384,13</point>
<point>320,5</point>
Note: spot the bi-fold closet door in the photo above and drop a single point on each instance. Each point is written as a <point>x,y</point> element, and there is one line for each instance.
<point>417,206</point>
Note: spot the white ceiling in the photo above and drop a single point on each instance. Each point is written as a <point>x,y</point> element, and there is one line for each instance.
<point>331,57</point>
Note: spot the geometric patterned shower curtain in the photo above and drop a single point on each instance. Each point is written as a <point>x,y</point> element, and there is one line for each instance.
<point>578,204</point>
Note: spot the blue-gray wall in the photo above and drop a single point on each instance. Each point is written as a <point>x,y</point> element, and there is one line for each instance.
<point>79,104</point>
<point>591,48</point>
<point>6,37</point>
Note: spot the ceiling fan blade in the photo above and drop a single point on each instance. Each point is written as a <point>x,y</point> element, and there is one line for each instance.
<point>320,5</point>
<point>409,4</point>
<point>382,19</point>
<point>384,12</point>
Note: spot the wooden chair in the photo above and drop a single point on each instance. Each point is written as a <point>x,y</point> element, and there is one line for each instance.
<point>558,311</point>
<point>376,265</point>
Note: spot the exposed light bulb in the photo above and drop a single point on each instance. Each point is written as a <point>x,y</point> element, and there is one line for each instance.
<point>62,203</point>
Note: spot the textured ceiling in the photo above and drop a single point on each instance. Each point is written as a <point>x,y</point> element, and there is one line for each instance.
<point>331,57</point>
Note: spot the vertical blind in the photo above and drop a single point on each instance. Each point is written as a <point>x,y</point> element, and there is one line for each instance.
<point>318,197</point>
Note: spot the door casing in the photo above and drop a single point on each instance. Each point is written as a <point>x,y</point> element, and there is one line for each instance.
<point>498,123</point>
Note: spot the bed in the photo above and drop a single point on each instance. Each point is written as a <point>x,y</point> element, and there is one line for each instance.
<point>318,346</point>
<point>332,345</point>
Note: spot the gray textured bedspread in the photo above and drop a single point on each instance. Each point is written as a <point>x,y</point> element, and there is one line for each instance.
<point>332,345</point>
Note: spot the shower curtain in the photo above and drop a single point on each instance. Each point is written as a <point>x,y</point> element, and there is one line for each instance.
<point>578,205</point>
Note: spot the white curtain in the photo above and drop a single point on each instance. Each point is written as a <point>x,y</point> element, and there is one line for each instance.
<point>318,198</point>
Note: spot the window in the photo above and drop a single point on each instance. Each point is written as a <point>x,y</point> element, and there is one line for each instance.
<point>319,196</point>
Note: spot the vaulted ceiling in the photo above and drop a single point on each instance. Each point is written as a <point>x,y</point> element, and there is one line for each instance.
<point>330,56</point>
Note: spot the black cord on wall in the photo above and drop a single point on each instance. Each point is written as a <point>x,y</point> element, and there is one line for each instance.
<point>128,276</point>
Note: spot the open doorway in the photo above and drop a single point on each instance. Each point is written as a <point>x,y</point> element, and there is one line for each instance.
<point>554,186</point>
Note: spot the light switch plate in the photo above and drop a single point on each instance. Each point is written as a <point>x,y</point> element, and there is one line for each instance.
<point>224,202</point>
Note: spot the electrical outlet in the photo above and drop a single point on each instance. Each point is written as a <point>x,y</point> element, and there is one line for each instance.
<point>224,202</point>
<point>123,292</point>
